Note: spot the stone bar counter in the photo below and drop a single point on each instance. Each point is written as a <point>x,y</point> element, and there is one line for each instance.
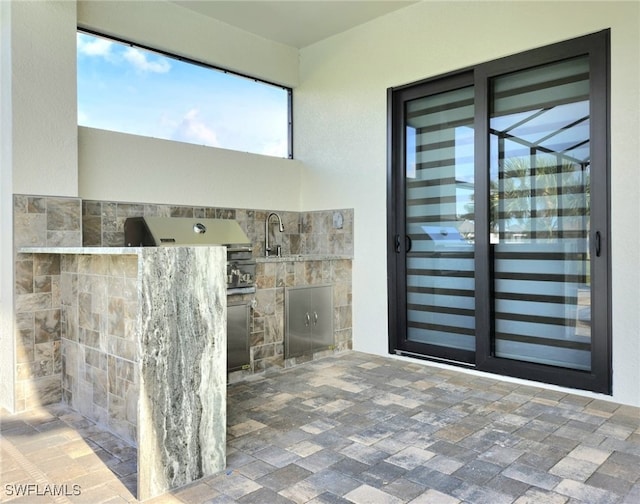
<point>144,353</point>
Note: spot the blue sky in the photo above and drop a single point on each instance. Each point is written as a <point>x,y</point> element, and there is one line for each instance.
<point>126,89</point>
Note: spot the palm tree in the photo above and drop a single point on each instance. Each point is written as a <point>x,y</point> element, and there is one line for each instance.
<point>541,199</point>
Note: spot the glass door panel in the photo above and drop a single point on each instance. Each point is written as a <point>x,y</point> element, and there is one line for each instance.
<point>499,248</point>
<point>439,210</point>
<point>540,214</point>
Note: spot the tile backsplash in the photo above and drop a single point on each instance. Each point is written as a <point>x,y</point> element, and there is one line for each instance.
<point>47,221</point>
<point>318,232</point>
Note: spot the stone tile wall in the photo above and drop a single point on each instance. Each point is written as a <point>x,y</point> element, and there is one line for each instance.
<point>40,221</point>
<point>319,232</point>
<point>100,377</point>
<point>61,221</point>
<point>268,324</point>
<point>324,232</point>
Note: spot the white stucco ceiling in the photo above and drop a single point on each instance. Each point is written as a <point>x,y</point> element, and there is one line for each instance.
<point>297,23</point>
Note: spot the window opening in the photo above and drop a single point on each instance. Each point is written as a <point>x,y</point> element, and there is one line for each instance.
<point>133,89</point>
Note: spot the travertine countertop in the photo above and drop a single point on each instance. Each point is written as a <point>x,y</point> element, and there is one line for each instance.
<point>136,250</point>
<point>79,250</point>
<point>95,250</point>
<point>304,257</point>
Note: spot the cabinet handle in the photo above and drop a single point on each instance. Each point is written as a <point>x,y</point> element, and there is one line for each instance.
<point>307,319</point>
<point>315,318</point>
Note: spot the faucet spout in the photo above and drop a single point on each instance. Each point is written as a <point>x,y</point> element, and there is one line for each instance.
<point>267,248</point>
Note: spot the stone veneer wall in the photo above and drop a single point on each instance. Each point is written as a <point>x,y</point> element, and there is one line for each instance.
<point>100,379</point>
<point>304,232</point>
<point>60,221</point>
<point>324,232</point>
<point>267,331</point>
<point>40,221</point>
<point>144,351</point>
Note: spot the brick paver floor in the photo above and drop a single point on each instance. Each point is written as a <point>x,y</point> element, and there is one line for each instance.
<point>356,428</point>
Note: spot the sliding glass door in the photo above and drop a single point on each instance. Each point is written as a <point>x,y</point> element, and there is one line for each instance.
<point>498,197</point>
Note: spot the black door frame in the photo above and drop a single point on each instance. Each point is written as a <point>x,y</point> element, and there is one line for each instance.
<point>599,379</point>
<point>399,243</point>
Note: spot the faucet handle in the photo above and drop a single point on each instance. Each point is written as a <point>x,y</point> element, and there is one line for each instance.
<point>279,250</point>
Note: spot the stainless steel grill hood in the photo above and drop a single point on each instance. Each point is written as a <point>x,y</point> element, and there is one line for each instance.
<point>182,231</point>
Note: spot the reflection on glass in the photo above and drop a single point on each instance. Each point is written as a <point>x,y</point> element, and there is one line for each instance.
<point>540,214</point>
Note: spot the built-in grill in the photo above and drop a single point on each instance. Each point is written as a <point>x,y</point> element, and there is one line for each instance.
<point>183,231</point>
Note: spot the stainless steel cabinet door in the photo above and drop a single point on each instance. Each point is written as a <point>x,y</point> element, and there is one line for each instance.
<point>321,314</point>
<point>309,320</point>
<point>298,323</point>
<point>237,336</point>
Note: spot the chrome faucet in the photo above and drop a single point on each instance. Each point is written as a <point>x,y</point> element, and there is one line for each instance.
<point>267,248</point>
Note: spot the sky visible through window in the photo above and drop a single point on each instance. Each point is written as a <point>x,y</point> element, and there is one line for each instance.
<point>132,90</point>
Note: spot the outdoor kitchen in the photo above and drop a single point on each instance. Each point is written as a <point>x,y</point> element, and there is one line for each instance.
<point>140,327</point>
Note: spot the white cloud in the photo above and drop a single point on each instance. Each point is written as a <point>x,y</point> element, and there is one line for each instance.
<point>95,46</point>
<point>83,118</point>
<point>277,149</point>
<point>114,53</point>
<point>139,60</point>
<point>191,129</point>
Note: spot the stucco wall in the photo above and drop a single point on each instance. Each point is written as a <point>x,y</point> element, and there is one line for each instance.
<point>44,124</point>
<point>340,124</point>
<point>340,105</point>
<point>39,139</point>
<point>167,26</point>
<point>6,214</point>
<point>122,167</point>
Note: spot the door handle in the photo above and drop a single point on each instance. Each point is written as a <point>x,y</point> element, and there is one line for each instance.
<point>598,244</point>
<point>307,319</point>
<point>407,241</point>
<point>315,318</point>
